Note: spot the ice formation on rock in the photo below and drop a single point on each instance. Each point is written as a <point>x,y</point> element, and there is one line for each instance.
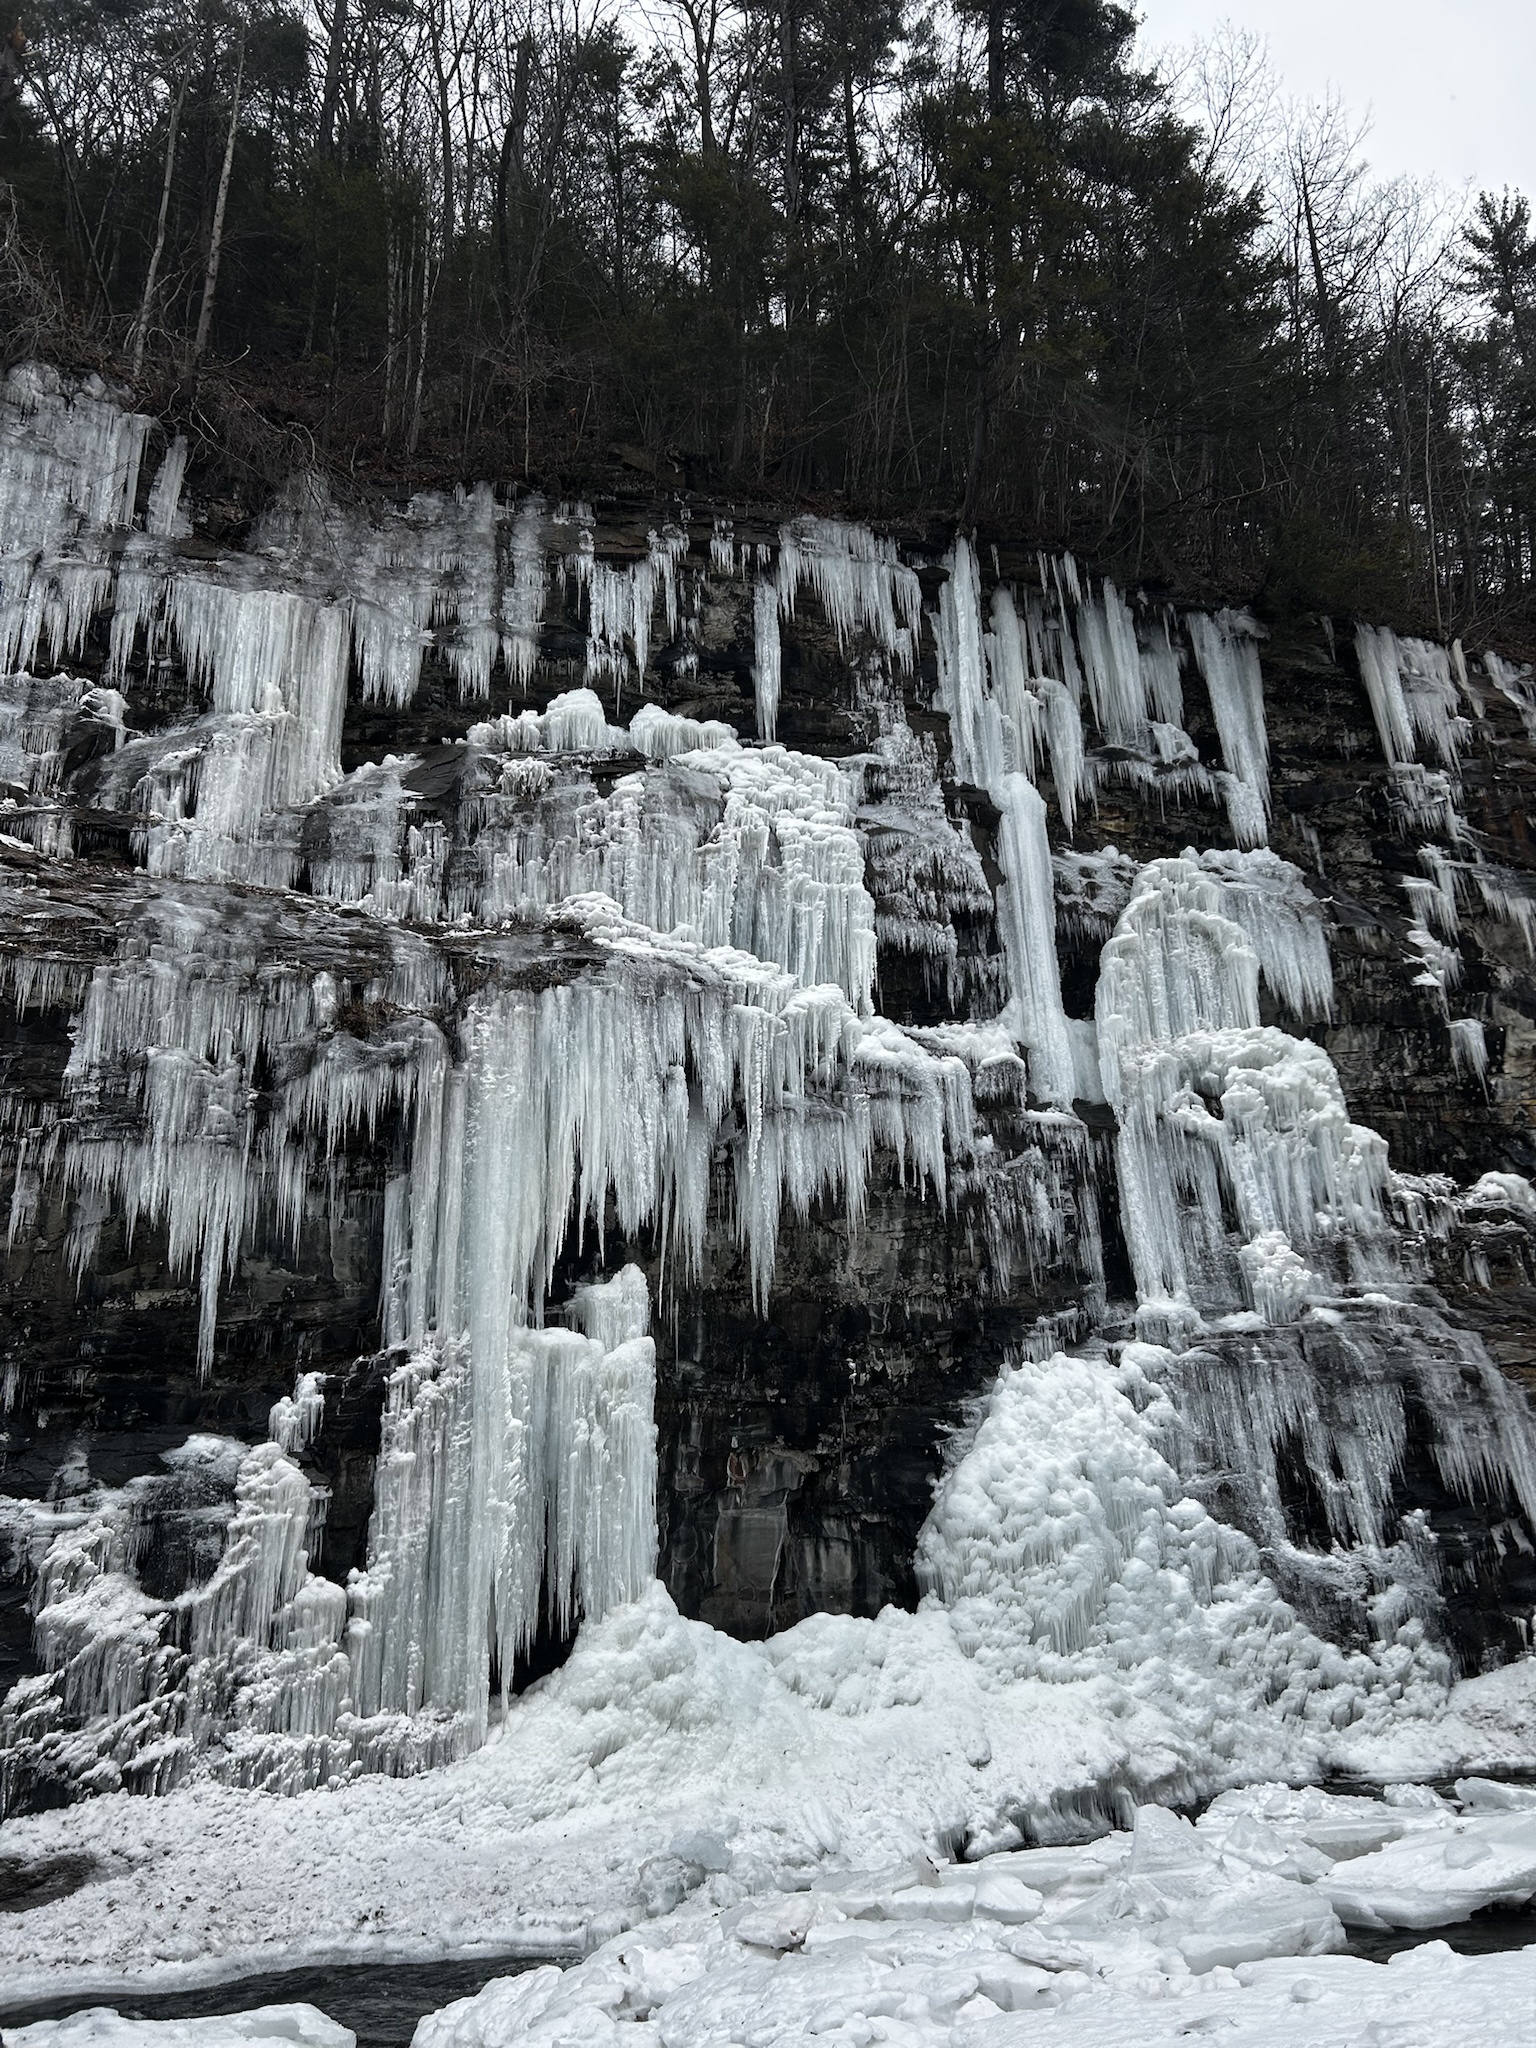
<point>1413,695</point>
<point>1233,1135</point>
<point>598,969</point>
<point>511,1459</point>
<point>862,585</point>
<point>1226,648</point>
<point>984,747</point>
<point>766,657</point>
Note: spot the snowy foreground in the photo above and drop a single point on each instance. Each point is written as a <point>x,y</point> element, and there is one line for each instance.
<point>1160,1933</point>
<point>755,1842</point>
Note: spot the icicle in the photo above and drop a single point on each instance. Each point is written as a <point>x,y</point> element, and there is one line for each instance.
<point>622,603</point>
<point>1469,1047</point>
<point>1425,800</point>
<point>857,577</point>
<point>1383,686</point>
<point>163,516</point>
<point>1439,966</point>
<point>976,730</point>
<point>1339,1406</point>
<point>1215,1111</point>
<point>1112,665</point>
<point>1516,683</point>
<point>69,473</point>
<point>1160,665</point>
<point>474,599</point>
<point>766,658</point>
<point>1280,918</point>
<point>1023,713</point>
<point>523,601</point>
<point>1226,648</point>
<point>500,1469</point>
<point>1412,692</point>
<point>1028,918</point>
<point>1064,732</point>
<point>981,747</point>
<point>1507,895</point>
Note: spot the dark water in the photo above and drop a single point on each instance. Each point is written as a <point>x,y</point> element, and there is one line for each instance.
<point>380,2002</point>
<point>1485,1934</point>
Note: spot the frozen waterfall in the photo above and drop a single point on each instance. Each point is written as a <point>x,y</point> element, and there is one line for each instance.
<point>593,999</point>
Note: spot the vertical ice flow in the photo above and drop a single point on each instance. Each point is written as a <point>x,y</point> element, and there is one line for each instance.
<point>982,745</point>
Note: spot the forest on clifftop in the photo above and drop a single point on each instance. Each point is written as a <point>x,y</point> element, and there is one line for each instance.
<point>978,262</point>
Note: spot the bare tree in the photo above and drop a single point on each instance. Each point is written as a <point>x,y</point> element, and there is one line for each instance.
<point>216,235</point>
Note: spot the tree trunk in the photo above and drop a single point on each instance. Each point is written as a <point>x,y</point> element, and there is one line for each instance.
<point>418,394</point>
<point>851,146</point>
<point>72,188</point>
<point>216,239</point>
<point>510,181</point>
<point>791,105</point>
<point>445,129</point>
<point>152,277</point>
<point>392,325</point>
<point>997,61</point>
<point>330,98</point>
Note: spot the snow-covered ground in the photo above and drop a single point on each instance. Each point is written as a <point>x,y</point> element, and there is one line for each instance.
<point>1167,1931</point>
<point>265,2026</point>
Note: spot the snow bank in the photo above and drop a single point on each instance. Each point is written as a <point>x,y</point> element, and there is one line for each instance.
<point>263,2026</point>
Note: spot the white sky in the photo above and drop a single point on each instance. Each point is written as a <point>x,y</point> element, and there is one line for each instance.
<point>1450,85</point>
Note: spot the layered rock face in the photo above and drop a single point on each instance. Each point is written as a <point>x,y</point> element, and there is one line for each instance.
<point>547,1044</point>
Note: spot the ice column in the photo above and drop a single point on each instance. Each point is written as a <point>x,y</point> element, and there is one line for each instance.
<point>1028,911</point>
<point>1228,1130</point>
<point>1028,908</point>
<point>514,1462</point>
<point>766,657</point>
<point>1226,648</point>
<point>69,474</point>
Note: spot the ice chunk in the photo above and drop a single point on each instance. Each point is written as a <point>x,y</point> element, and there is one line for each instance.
<point>1489,1795</point>
<point>1433,1877</point>
<point>1007,1899</point>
